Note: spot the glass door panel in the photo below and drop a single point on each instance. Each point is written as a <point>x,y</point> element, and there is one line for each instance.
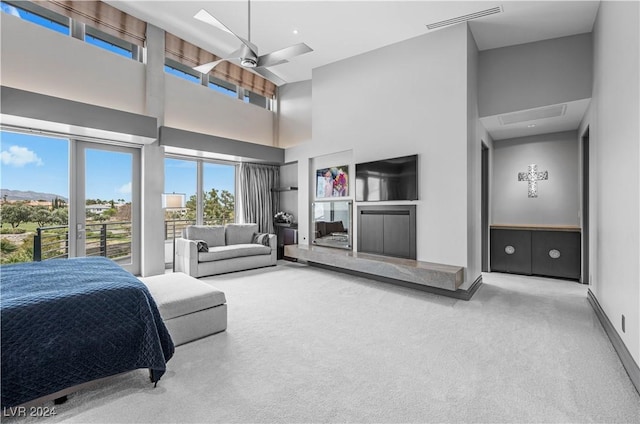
<point>179,201</point>
<point>108,208</point>
<point>35,194</point>
<point>218,185</point>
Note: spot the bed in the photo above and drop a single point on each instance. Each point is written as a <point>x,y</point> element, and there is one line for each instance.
<point>66,322</point>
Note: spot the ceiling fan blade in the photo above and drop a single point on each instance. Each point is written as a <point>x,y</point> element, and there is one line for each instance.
<point>270,76</point>
<point>207,67</point>
<point>278,56</point>
<point>208,18</point>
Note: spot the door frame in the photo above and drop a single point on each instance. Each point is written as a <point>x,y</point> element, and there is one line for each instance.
<point>484,206</point>
<point>584,139</point>
<point>77,191</point>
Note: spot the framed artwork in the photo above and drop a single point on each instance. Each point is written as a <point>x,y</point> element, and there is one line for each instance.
<point>332,182</point>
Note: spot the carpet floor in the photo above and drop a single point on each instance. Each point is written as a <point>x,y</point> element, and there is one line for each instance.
<point>310,345</point>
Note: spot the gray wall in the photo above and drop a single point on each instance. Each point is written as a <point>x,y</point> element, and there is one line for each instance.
<point>536,74</point>
<point>558,201</point>
<point>614,131</point>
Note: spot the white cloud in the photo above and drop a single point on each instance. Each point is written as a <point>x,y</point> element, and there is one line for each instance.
<point>125,189</point>
<point>19,156</point>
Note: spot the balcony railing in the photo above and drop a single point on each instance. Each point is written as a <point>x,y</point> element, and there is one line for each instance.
<point>109,239</point>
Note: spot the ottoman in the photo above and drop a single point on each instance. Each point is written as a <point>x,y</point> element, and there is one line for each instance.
<point>190,308</point>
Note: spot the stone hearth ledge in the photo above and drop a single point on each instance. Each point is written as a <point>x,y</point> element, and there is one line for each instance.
<point>446,277</point>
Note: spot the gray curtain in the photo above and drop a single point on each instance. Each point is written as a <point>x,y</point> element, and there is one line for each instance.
<point>259,203</point>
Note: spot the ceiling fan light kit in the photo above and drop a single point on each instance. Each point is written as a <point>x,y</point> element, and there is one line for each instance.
<point>247,54</point>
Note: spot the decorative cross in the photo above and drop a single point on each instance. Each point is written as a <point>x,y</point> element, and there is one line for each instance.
<point>532,176</point>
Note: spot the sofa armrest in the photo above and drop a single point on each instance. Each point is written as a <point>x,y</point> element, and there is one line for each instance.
<point>186,259</point>
<point>273,244</point>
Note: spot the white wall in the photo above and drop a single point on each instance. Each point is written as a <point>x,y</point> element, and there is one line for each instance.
<point>380,105</point>
<point>535,74</point>
<point>558,201</point>
<point>196,108</point>
<point>615,168</point>
<point>474,164</point>
<point>43,61</point>
<point>294,112</point>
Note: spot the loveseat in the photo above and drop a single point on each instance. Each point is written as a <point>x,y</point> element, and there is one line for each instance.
<point>216,249</point>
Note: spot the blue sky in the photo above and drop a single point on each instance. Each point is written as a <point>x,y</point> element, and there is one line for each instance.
<point>37,163</point>
<point>180,177</point>
<point>34,163</point>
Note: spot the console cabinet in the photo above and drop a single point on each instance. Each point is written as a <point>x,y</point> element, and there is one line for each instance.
<point>536,250</point>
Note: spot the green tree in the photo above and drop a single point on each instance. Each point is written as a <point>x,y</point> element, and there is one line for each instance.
<point>15,214</point>
<point>219,206</point>
<point>60,216</point>
<point>41,216</point>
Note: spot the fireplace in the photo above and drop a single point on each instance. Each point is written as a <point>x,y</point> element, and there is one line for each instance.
<point>388,230</point>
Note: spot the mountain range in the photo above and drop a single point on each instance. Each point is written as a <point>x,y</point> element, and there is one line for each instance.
<point>28,195</point>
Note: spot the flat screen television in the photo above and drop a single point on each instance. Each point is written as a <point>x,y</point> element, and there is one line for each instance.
<point>388,179</point>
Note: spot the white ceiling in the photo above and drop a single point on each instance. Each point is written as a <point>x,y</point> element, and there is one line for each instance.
<point>340,29</point>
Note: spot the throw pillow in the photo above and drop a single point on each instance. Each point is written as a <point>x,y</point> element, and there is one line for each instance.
<point>202,246</point>
<point>261,238</point>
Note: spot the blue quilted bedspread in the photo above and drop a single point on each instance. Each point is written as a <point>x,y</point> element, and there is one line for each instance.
<point>69,321</point>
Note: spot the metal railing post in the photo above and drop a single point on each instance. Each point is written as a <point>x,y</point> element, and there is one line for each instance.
<point>37,245</point>
<point>66,244</point>
<point>103,240</point>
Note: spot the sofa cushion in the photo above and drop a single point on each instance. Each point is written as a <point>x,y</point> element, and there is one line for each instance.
<point>219,253</point>
<point>240,233</point>
<point>213,235</point>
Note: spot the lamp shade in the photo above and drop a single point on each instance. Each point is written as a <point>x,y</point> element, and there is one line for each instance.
<point>173,200</point>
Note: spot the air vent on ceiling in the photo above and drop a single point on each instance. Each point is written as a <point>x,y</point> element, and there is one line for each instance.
<point>533,114</point>
<point>465,18</point>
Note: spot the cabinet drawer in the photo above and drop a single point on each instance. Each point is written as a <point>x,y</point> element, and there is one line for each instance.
<point>555,254</point>
<point>511,251</point>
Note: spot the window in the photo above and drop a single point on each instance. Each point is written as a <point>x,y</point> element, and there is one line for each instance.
<point>109,42</point>
<point>181,71</point>
<point>223,87</point>
<point>49,19</point>
<point>38,15</point>
<point>215,205</point>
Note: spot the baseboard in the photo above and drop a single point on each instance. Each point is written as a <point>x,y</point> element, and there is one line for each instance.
<point>465,294</point>
<point>623,353</point>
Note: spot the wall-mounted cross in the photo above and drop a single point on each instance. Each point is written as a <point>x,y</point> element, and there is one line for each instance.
<point>532,176</point>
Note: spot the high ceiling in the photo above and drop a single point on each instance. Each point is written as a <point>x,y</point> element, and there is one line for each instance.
<point>341,29</point>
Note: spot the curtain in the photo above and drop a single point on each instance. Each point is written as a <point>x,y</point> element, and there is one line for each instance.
<point>259,203</point>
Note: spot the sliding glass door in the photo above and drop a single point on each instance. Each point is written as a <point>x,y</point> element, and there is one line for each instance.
<point>197,191</point>
<point>35,195</point>
<point>106,210</point>
<point>66,198</point>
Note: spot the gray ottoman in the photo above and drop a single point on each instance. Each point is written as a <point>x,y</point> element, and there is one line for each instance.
<point>190,308</point>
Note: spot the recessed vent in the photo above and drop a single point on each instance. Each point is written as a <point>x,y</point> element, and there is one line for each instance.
<point>465,18</point>
<point>533,114</point>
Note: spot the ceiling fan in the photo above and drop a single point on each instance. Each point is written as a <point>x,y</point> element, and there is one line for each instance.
<point>247,54</point>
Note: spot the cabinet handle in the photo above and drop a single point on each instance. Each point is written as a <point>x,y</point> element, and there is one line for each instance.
<point>554,253</point>
<point>509,250</point>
